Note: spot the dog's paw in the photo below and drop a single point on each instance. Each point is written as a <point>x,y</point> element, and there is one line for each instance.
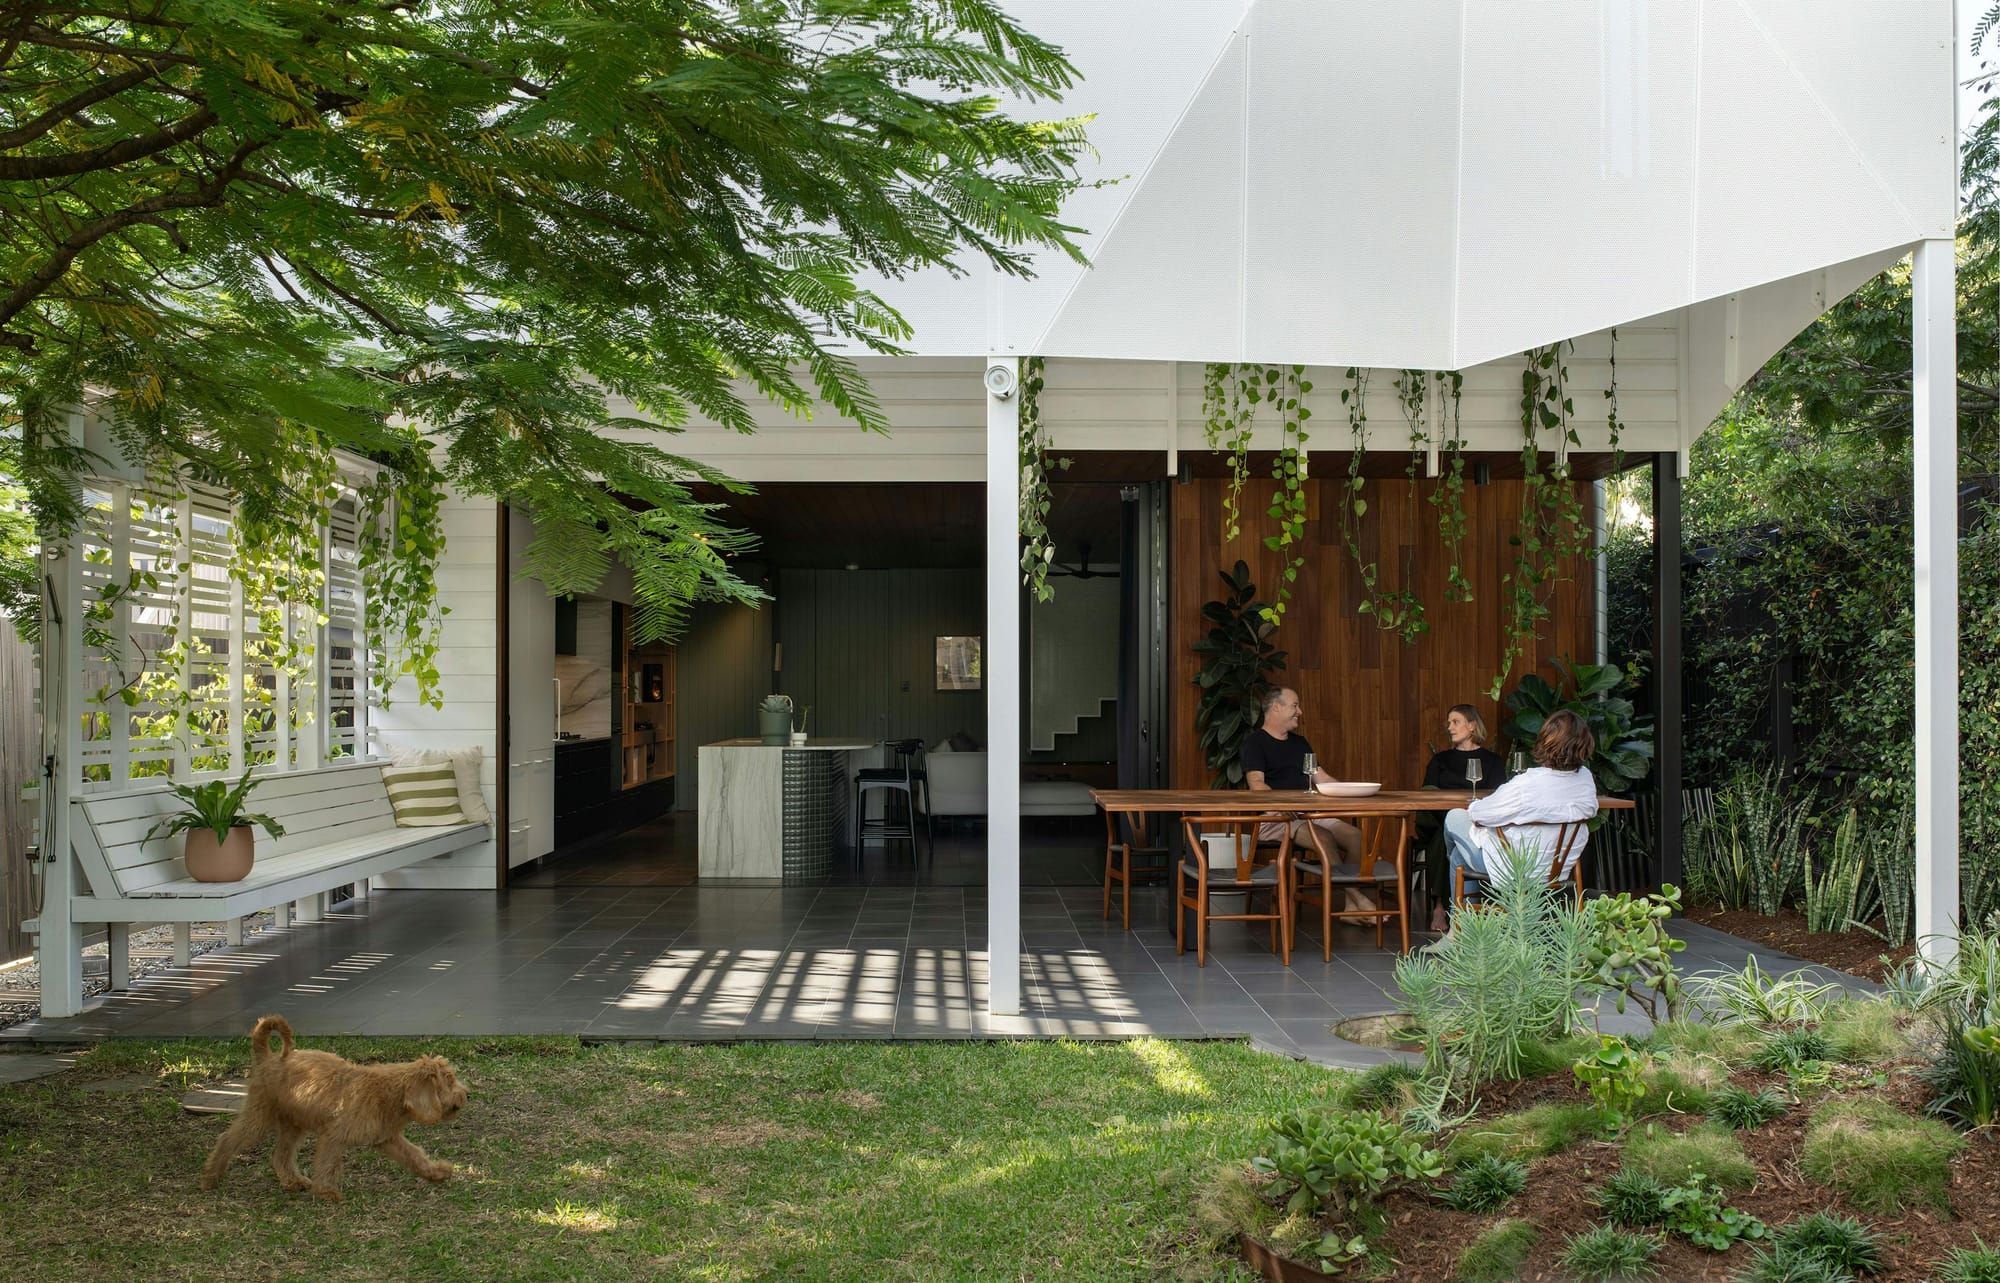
<point>296,1184</point>
<point>437,1172</point>
<point>209,1180</point>
<point>327,1192</point>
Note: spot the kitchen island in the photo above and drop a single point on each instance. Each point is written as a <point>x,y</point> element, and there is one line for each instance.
<point>770,813</point>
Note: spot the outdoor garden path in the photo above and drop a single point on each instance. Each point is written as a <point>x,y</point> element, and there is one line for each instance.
<point>709,963</point>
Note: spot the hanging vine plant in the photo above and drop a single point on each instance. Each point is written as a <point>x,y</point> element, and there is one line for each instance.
<point>402,541</point>
<point>1448,495</point>
<point>1614,426</point>
<point>1401,611</point>
<point>1037,550</point>
<point>1286,388</point>
<point>1551,528</point>
<point>1229,412</point>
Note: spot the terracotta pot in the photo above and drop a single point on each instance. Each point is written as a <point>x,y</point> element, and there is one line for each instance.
<point>1278,1268</point>
<point>226,861</point>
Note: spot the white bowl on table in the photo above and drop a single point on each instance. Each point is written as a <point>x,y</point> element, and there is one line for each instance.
<point>1348,788</point>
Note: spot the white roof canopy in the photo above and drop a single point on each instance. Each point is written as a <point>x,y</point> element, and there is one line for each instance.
<point>1437,183</point>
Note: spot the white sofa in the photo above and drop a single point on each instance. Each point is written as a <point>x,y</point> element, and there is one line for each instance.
<point>957,781</point>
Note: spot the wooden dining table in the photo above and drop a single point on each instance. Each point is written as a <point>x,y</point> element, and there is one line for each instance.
<point>1400,804</point>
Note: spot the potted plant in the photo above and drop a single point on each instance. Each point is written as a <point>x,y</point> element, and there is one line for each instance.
<point>221,845</point>
<point>774,719</point>
<point>799,726</point>
<point>1237,662</point>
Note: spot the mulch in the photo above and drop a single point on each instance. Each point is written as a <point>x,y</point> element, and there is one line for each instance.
<point>1427,1237</point>
<point>1854,951</point>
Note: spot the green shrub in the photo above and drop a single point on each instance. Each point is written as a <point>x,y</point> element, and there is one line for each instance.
<point>1755,995</point>
<point>1881,1158</point>
<point>1630,952</point>
<point>1229,1204</point>
<point>1698,1212</point>
<point>1497,1255</point>
<point>1864,1031</point>
<point>1607,1255</point>
<point>1742,1109</point>
<point>1970,1265</point>
<point>1682,1084</point>
<point>1332,1160</point>
<point>1485,1182</point>
<point>1840,1241</point>
<point>1770,1265</point>
<point>1730,1043</point>
<point>1634,1200</point>
<point>1787,1049</point>
<point>1675,1159</point>
<point>1545,1129</point>
<point>1614,1075</point>
<point>1541,1056</point>
<point>1389,1085</point>
<point>1962,1070</point>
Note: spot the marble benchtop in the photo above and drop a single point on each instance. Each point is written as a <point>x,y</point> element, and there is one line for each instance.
<point>823,746</point>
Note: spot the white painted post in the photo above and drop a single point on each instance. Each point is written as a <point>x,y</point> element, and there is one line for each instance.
<point>183,944</point>
<point>1001,667</point>
<point>118,936</point>
<point>1934,402</point>
<point>60,940</point>
<point>232,933</point>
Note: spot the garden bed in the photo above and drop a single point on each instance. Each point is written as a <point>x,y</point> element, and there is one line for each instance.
<point>1856,952</point>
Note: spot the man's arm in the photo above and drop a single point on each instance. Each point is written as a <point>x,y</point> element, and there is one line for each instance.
<point>1255,779</point>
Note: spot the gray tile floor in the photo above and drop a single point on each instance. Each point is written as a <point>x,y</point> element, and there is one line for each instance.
<point>712,963</point>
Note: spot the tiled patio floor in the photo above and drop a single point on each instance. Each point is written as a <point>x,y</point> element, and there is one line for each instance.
<point>701,963</point>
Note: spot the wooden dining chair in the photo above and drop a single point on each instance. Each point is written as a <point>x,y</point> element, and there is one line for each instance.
<point>1128,859</point>
<point>1194,879</point>
<point>1317,878</point>
<point>1566,865</point>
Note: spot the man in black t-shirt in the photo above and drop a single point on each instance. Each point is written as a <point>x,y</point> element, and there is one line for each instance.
<point>1274,758</point>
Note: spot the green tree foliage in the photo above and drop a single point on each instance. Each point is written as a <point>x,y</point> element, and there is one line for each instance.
<point>242,231</point>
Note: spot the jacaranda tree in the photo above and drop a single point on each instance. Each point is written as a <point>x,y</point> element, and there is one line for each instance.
<point>242,232</point>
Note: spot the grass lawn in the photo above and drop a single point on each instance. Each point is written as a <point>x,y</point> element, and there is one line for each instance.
<point>795,1162</point>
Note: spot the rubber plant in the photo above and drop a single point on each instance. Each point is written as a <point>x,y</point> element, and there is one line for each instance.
<point>1624,754</point>
<point>1037,549</point>
<point>1237,663</point>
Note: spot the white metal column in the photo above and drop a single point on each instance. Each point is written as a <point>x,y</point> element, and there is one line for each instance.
<point>1934,401</point>
<point>1000,666</point>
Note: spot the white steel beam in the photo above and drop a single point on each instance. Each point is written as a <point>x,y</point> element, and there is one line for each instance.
<point>1934,403</point>
<point>1001,668</point>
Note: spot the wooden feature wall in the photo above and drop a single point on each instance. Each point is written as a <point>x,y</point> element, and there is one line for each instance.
<point>20,765</point>
<point>1371,703</point>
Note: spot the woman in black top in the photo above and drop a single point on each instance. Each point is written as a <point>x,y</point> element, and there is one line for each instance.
<point>1467,731</point>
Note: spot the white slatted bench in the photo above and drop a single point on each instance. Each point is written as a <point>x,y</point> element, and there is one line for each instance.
<point>339,831</point>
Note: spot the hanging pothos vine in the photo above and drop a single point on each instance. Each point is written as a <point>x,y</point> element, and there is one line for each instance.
<point>402,541</point>
<point>1286,388</point>
<point>1448,495</point>
<point>1551,529</point>
<point>1229,412</point>
<point>1037,550</point>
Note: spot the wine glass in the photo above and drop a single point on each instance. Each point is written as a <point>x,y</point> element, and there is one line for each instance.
<point>1474,772</point>
<point>1311,765</point>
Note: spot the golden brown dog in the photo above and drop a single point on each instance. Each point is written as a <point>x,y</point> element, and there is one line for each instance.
<point>315,1093</point>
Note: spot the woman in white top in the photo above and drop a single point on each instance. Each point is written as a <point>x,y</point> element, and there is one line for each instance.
<point>1559,788</point>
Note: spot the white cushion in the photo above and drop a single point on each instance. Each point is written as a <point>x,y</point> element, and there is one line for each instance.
<point>465,765</point>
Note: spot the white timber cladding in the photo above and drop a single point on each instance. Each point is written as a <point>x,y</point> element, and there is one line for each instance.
<point>468,665</point>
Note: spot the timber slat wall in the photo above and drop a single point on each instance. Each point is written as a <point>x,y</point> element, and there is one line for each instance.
<point>20,751</point>
<point>1371,703</point>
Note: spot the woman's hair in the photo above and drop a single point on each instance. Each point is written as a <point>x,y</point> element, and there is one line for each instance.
<point>1471,714</point>
<point>1565,743</point>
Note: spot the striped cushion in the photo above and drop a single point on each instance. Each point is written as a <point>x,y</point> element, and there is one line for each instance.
<point>423,796</point>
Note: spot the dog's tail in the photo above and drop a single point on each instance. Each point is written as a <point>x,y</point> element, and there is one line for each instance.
<point>260,1038</point>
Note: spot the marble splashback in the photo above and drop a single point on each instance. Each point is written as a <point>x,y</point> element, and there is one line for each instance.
<point>586,676</point>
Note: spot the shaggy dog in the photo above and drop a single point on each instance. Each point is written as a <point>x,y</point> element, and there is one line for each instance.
<point>302,1093</point>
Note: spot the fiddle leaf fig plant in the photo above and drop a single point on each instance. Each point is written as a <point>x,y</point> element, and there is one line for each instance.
<point>217,806</point>
<point>1624,754</point>
<point>1237,662</point>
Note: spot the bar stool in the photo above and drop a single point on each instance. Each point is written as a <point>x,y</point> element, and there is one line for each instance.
<point>907,778</point>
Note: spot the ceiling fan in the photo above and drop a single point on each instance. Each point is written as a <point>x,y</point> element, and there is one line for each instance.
<point>1081,570</point>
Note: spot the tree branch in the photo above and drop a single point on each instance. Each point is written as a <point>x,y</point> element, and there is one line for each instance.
<point>58,264</point>
<point>64,110</point>
<point>358,304</point>
<point>31,168</point>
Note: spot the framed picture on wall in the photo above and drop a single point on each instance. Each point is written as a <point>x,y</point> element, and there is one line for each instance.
<point>958,664</point>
